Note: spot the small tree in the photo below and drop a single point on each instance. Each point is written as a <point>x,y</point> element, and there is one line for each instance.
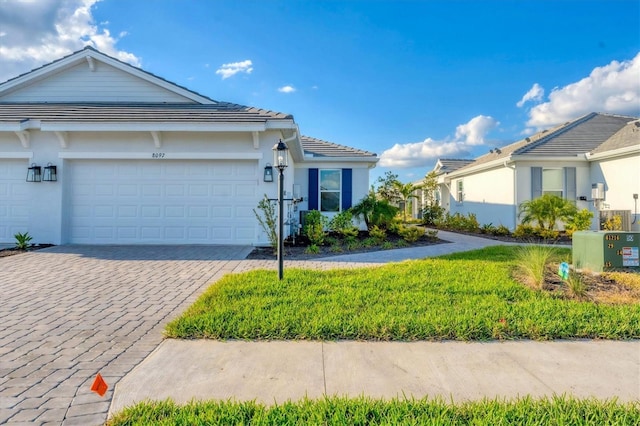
<point>405,191</point>
<point>268,223</point>
<point>546,211</point>
<point>432,212</point>
<point>387,189</point>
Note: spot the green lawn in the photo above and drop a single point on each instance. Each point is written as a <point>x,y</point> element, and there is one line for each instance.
<point>366,411</point>
<point>466,296</point>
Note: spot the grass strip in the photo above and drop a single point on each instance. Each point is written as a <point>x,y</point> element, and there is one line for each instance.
<point>466,296</point>
<point>557,410</point>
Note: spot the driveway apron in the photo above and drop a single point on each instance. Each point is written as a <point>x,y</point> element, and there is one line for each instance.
<point>69,312</point>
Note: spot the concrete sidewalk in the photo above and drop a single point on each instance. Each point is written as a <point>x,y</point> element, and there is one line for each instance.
<point>278,371</point>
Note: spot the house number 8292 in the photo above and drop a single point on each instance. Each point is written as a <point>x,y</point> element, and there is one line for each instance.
<point>157,155</point>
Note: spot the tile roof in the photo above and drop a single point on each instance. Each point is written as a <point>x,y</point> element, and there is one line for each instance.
<point>130,112</point>
<point>628,136</point>
<point>577,137</point>
<point>451,164</point>
<point>320,148</point>
<point>570,139</point>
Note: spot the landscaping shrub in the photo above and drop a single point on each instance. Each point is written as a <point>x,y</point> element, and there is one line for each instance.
<point>22,240</point>
<point>374,211</point>
<point>268,222</point>
<point>410,234</point>
<point>487,229</point>
<point>378,234</point>
<point>342,224</point>
<point>581,221</point>
<point>502,231</point>
<point>432,214</point>
<point>459,222</point>
<point>525,230</point>
<point>532,260</point>
<point>314,227</point>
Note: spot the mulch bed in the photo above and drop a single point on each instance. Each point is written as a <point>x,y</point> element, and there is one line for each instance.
<point>12,251</point>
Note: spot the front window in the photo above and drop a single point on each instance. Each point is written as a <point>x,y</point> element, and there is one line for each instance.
<point>552,182</point>
<point>330,184</point>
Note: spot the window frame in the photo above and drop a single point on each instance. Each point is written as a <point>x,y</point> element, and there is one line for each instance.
<point>460,191</point>
<point>321,190</point>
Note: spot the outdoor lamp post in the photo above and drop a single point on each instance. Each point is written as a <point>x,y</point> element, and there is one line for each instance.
<point>280,159</point>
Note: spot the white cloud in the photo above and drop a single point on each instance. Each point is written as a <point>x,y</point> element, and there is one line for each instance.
<point>534,94</point>
<point>286,89</point>
<point>38,32</point>
<point>420,154</point>
<point>231,69</point>
<point>475,130</point>
<point>613,88</point>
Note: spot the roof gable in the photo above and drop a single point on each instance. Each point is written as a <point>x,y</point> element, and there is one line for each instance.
<point>91,76</point>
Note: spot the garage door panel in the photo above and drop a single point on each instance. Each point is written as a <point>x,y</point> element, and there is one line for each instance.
<point>167,202</point>
<point>14,202</point>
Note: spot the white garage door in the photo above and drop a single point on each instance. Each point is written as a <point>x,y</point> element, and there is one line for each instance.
<point>14,202</point>
<point>162,202</point>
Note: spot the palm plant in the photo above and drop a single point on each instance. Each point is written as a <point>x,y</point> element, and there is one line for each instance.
<point>546,211</point>
<point>405,191</point>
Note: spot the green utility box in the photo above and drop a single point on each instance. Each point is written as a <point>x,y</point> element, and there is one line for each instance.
<point>600,251</point>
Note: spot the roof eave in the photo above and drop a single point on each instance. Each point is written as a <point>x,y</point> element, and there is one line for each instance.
<point>613,153</point>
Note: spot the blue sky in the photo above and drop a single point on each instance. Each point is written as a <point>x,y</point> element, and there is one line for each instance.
<point>409,80</point>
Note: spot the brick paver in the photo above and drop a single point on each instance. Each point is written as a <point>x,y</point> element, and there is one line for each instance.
<point>69,312</point>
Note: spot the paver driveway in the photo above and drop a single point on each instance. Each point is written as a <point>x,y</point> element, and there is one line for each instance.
<point>69,312</point>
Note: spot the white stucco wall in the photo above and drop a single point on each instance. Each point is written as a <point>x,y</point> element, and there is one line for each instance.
<point>489,195</point>
<point>621,177</point>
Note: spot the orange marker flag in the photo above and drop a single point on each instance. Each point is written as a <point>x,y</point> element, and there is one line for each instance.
<point>99,386</point>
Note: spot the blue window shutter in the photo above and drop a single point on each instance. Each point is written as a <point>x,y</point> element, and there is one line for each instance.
<point>347,191</point>
<point>570,183</point>
<point>536,182</point>
<point>313,189</point>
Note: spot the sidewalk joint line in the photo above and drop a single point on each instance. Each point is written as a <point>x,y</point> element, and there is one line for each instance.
<point>324,371</point>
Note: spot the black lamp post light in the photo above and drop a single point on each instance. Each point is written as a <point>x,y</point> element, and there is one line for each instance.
<point>281,161</point>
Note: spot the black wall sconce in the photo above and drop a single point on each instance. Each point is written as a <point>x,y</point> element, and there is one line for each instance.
<point>34,173</point>
<point>268,173</point>
<point>50,173</point>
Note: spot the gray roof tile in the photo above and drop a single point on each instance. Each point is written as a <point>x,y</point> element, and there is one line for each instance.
<point>129,112</point>
<point>628,136</point>
<point>320,148</point>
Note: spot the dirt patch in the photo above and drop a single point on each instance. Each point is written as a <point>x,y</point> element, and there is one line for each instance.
<point>620,287</point>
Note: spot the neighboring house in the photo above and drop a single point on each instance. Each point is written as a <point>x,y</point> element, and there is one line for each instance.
<point>141,160</point>
<point>569,161</point>
<point>441,196</point>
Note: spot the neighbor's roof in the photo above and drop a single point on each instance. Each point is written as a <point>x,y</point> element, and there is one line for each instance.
<point>450,164</point>
<point>570,139</point>
<point>134,112</point>
<point>320,148</point>
<point>628,136</point>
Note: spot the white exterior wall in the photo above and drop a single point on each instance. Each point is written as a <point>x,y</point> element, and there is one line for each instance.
<point>583,183</point>
<point>104,84</point>
<point>360,181</point>
<point>489,195</point>
<point>47,200</point>
<point>621,177</point>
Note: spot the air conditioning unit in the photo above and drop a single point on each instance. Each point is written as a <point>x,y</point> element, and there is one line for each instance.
<point>625,217</point>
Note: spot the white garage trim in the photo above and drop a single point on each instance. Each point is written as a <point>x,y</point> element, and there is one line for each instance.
<point>16,155</point>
